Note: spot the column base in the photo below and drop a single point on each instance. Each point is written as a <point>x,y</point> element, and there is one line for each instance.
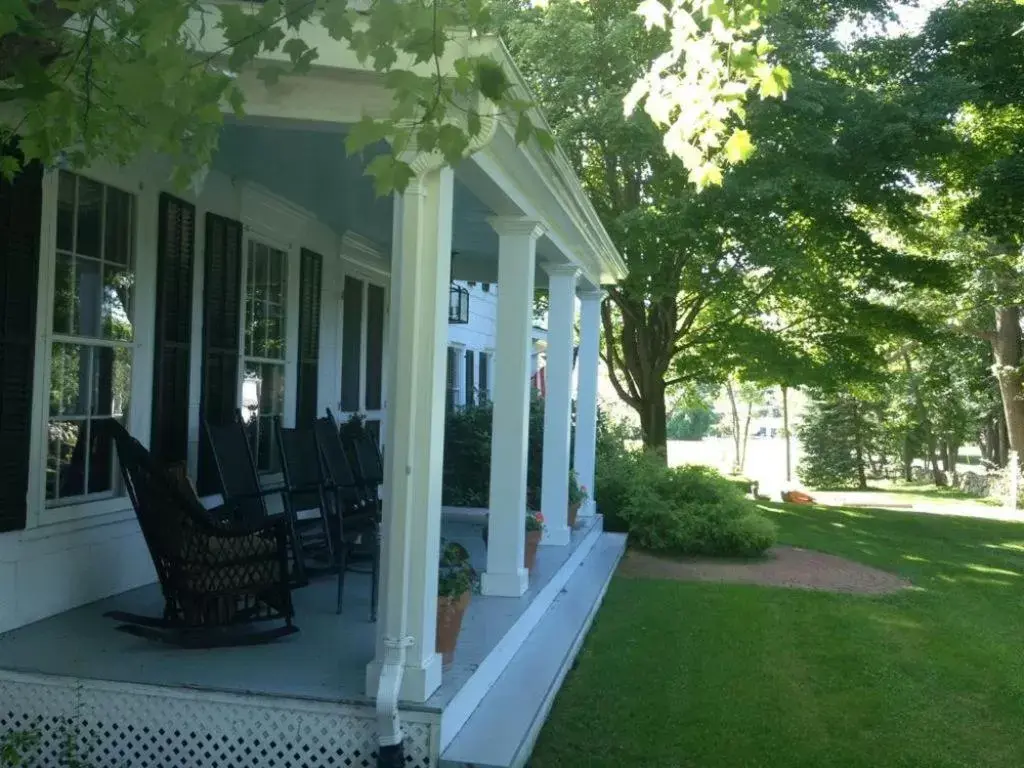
<point>497,584</point>
<point>588,508</point>
<point>418,682</point>
<point>558,535</point>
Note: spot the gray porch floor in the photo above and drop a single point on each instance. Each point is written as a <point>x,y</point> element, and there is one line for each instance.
<point>325,660</point>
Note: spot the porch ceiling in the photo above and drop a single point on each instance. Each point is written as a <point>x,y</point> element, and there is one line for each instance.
<point>307,164</point>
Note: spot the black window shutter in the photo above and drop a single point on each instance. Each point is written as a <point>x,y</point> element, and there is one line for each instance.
<point>470,373</point>
<point>310,281</point>
<point>222,288</point>
<point>484,382</point>
<point>173,344</point>
<point>20,213</point>
<point>450,378</point>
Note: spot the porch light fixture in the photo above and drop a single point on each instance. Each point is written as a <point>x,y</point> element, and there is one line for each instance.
<point>458,302</point>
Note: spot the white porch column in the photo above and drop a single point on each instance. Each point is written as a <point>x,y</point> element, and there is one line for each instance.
<point>587,364</point>
<point>506,531</point>
<point>418,337</point>
<point>558,403</point>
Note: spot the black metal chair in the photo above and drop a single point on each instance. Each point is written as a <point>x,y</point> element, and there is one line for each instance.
<point>305,490</point>
<point>216,575</point>
<point>240,486</point>
<point>358,521</point>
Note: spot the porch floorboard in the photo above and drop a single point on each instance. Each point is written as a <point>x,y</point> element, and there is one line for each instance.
<point>325,660</point>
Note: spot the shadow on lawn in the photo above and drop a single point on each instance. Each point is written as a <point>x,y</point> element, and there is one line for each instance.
<point>932,551</point>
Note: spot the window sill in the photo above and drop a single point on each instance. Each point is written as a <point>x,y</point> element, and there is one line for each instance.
<point>57,521</point>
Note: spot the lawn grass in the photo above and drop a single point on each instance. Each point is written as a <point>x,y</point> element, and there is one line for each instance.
<point>731,676</point>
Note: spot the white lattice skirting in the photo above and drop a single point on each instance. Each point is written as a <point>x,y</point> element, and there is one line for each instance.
<point>123,725</point>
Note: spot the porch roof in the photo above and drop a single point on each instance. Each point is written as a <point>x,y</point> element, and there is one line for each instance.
<point>511,179</point>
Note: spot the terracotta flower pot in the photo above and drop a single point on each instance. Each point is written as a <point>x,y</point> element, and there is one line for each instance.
<point>530,553</point>
<point>574,510</point>
<point>450,611</point>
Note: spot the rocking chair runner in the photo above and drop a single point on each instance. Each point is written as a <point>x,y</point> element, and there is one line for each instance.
<point>215,576</point>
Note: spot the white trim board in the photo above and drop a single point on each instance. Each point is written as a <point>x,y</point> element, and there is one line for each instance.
<point>462,705</point>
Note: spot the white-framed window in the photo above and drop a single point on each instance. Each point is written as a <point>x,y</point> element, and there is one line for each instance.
<point>453,377</point>
<point>263,347</point>
<point>91,339</point>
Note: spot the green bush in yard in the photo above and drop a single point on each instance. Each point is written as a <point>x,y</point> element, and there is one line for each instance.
<point>690,510</point>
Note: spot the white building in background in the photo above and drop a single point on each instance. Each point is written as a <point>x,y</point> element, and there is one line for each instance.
<point>470,362</point>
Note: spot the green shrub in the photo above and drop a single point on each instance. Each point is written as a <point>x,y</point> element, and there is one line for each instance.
<point>689,510</point>
<point>466,476</point>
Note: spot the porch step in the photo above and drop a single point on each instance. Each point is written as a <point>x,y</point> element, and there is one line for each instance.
<point>502,730</point>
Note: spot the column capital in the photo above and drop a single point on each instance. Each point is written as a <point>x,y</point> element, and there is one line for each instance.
<point>561,270</point>
<point>597,294</point>
<point>516,225</point>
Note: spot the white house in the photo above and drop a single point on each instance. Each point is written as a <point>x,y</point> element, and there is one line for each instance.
<point>120,296</point>
<point>470,361</point>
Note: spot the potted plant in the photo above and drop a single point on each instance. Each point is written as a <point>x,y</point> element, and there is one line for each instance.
<point>456,580</point>
<point>534,530</point>
<point>577,495</point>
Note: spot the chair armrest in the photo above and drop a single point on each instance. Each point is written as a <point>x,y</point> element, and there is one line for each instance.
<point>225,529</point>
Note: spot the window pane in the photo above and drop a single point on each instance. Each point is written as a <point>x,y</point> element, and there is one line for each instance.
<point>69,380</point>
<point>374,346</point>
<point>65,461</point>
<point>112,380</point>
<point>66,212</point>
<point>89,292</point>
<point>118,228</point>
<point>117,294</point>
<point>274,346</point>
<point>64,299</point>
<point>351,344</point>
<point>90,217</point>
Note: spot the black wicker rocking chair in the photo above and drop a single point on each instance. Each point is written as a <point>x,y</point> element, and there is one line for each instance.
<point>218,576</point>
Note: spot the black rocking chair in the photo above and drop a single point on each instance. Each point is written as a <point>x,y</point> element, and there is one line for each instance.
<point>240,485</point>
<point>358,520</point>
<point>305,491</point>
<point>217,576</point>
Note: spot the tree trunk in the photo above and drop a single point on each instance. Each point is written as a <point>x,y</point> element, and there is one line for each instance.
<point>654,423</point>
<point>735,416</point>
<point>908,459</point>
<point>862,479</point>
<point>944,453</point>
<point>785,434</point>
<point>933,460</point>
<point>746,438</point>
<point>1003,453</point>
<point>952,457</point>
<point>1006,348</point>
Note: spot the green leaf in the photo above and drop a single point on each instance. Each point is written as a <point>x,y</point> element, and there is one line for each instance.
<point>492,80</point>
<point>473,122</point>
<point>337,19</point>
<point>270,74</point>
<point>764,47</point>
<point>452,142</point>
<point>237,101</point>
<point>9,166</point>
<point>524,127</point>
<point>739,147</point>
<point>272,38</point>
<point>389,174</point>
<point>545,139</point>
<point>364,133</point>
<point>295,48</point>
